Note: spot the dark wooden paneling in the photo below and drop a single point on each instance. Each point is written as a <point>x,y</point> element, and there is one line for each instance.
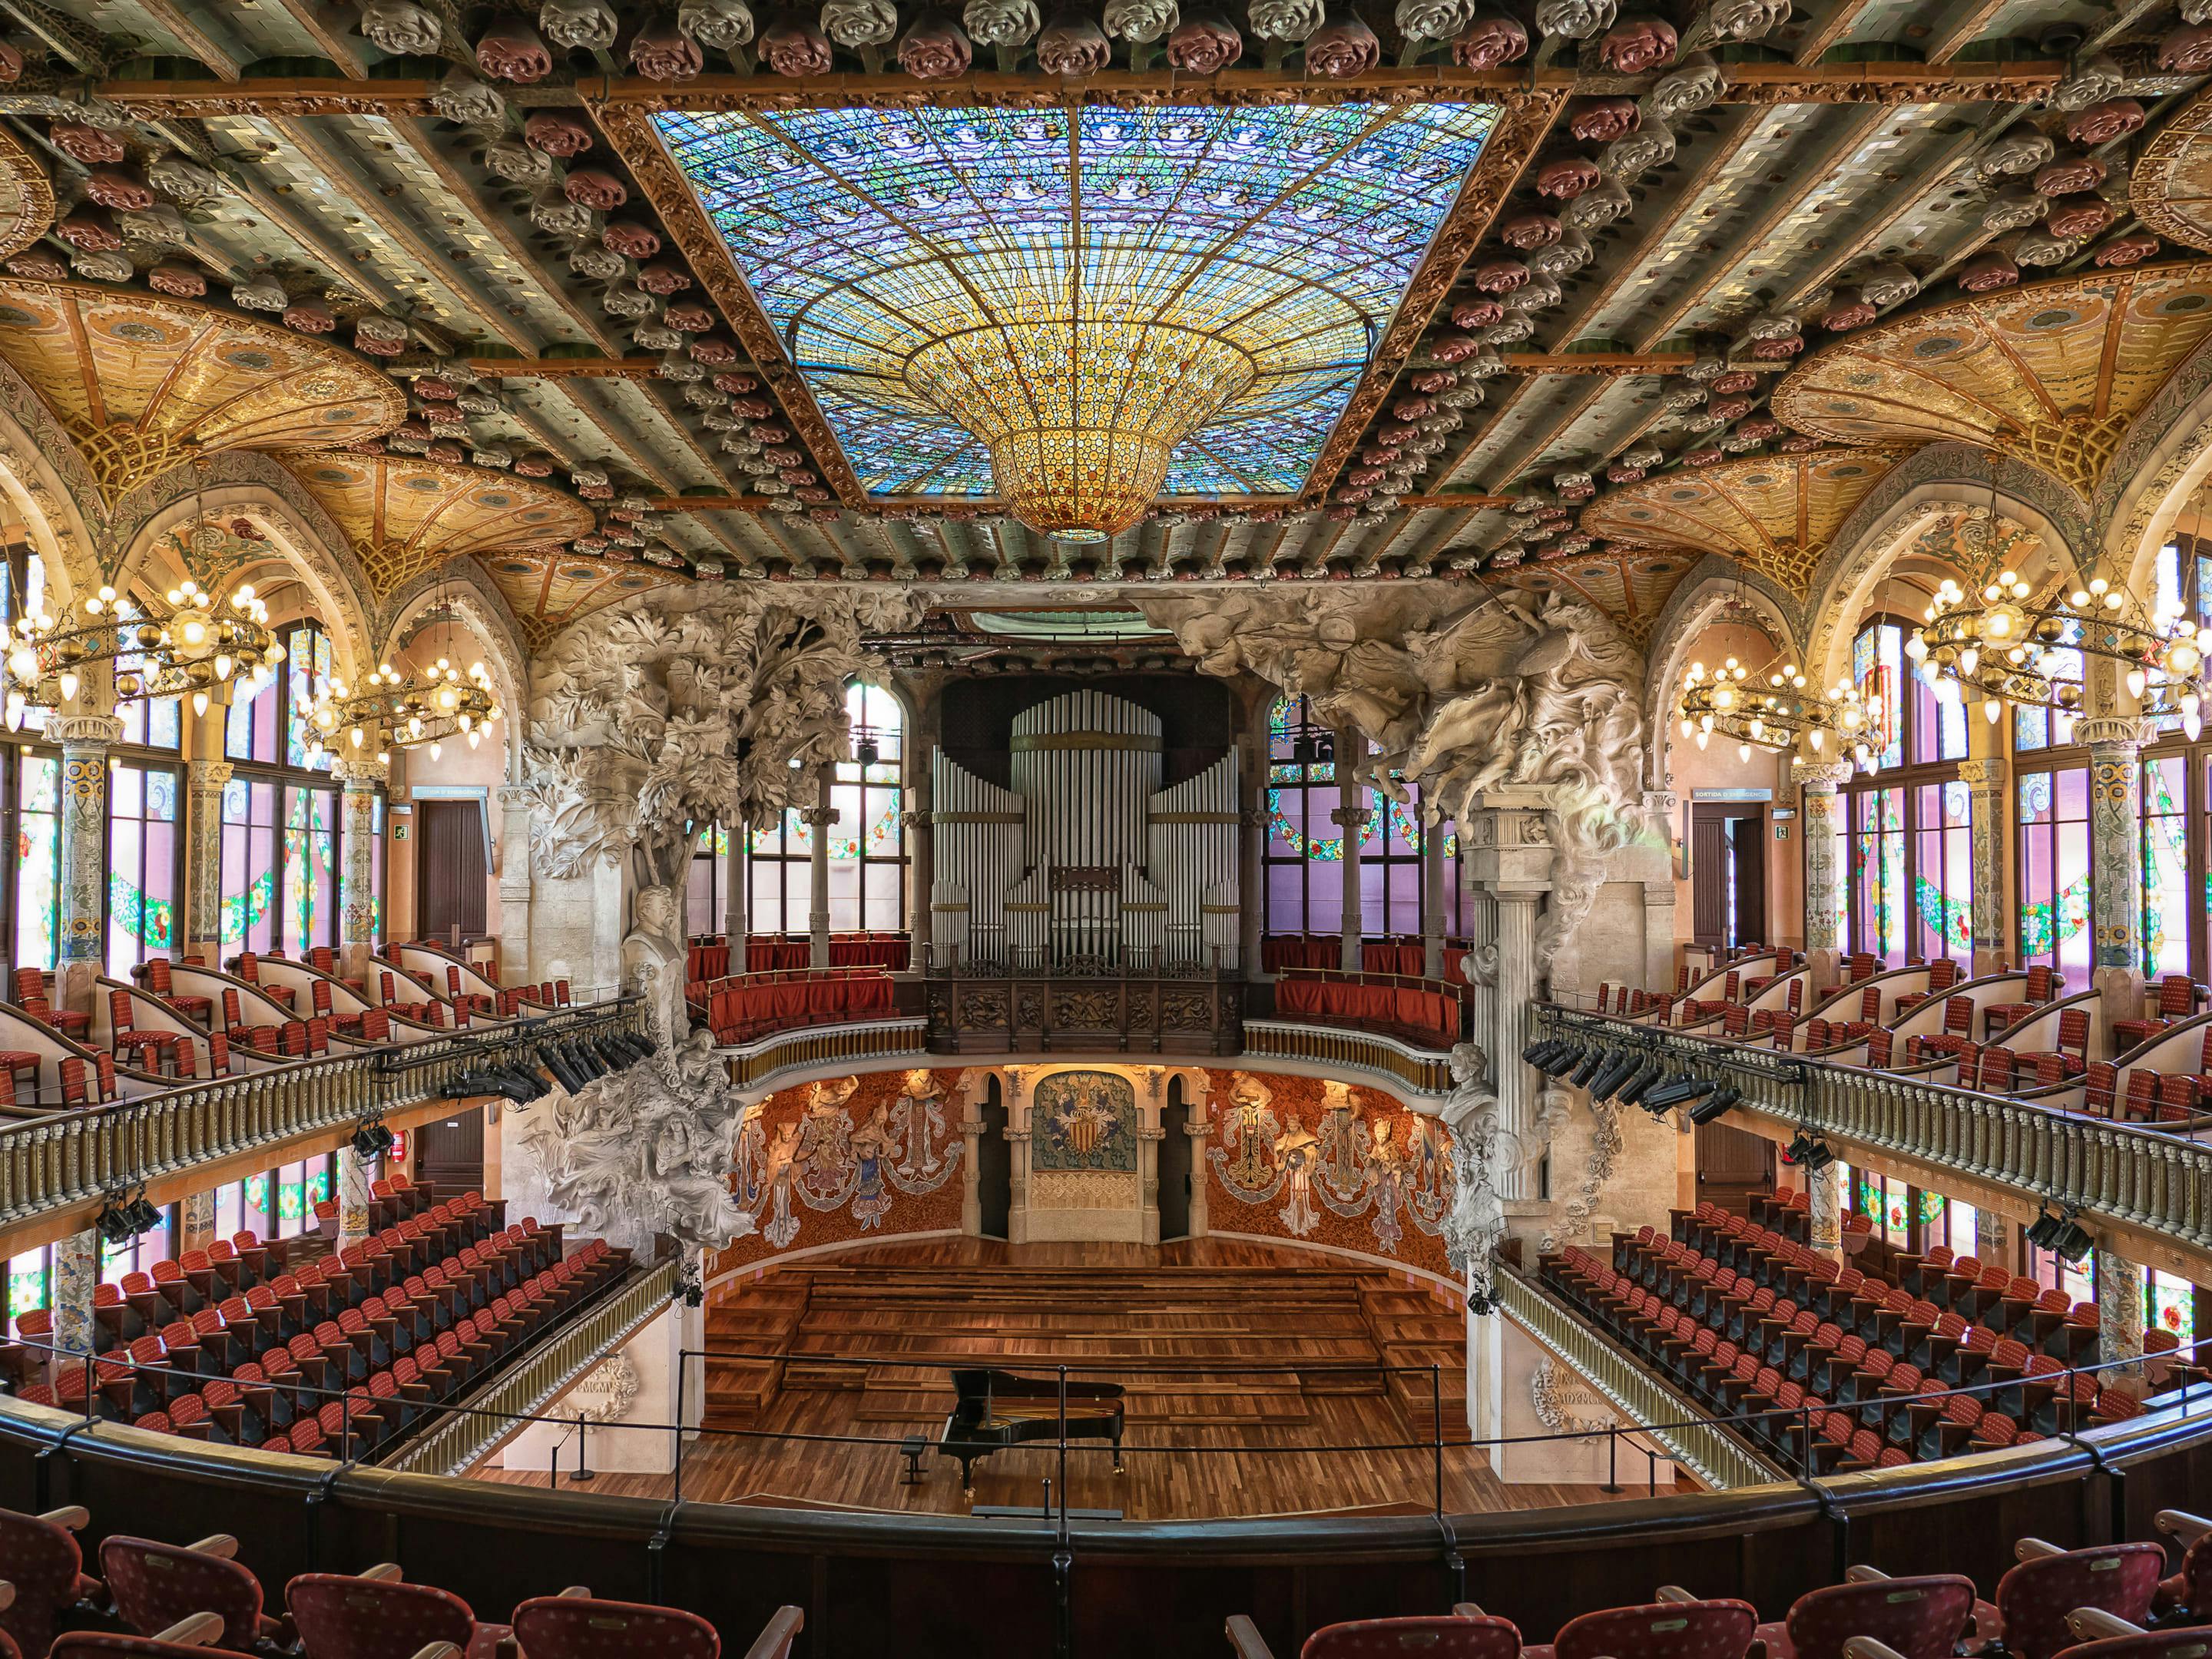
<point>449,1152</point>
<point>449,870</point>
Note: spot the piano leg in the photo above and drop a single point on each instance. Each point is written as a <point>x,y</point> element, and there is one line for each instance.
<point>1117,1448</point>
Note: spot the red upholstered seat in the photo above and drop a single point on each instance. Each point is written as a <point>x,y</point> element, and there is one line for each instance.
<point>1658,1630</point>
<point>575,1627</point>
<point>2033,1598</point>
<point>162,983</point>
<point>1433,1639</point>
<point>41,1559</point>
<point>2187,1593</point>
<point>155,1585</point>
<point>2185,1643</point>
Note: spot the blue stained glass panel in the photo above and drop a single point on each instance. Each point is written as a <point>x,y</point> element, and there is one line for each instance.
<point>1290,231</point>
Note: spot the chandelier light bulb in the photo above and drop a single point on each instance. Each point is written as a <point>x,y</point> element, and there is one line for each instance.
<point>199,703</point>
<point>222,666</point>
<point>68,683</point>
<point>1969,659</point>
<point>1704,737</point>
<point>1815,738</point>
<point>23,663</point>
<point>435,751</point>
<point>358,737</point>
<point>475,737</point>
<point>2136,682</point>
<point>1992,708</point>
<point>191,633</point>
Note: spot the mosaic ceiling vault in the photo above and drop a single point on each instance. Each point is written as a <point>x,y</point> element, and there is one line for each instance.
<point>1282,237</point>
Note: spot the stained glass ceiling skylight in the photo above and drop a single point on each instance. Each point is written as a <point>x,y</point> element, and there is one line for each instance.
<point>1234,268</point>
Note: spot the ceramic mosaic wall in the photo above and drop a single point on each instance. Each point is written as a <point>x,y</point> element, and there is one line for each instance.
<point>1324,1162</point>
<point>850,1158</point>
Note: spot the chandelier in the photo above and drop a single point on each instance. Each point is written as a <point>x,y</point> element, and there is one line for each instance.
<point>396,711</point>
<point>198,645</point>
<point>1080,417</point>
<point>2003,646</point>
<point>1776,709</point>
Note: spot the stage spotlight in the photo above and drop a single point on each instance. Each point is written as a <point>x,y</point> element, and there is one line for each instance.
<point>1714,1104</point>
<point>112,1225</point>
<point>1808,1153</point>
<point>2042,1231</point>
<point>2072,1240</point>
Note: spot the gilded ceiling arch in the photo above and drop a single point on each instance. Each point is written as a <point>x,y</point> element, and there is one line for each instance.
<point>1711,585</point>
<point>45,484</point>
<point>143,383</point>
<point>2171,188</point>
<point>2050,373</point>
<point>547,589</point>
<point>404,517</point>
<point>1777,514</point>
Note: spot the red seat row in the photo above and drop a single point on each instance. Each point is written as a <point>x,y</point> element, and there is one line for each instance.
<point>740,1011</point>
<point>162,1601</point>
<point>1421,1012</point>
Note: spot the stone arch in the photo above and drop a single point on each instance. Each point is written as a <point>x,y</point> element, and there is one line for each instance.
<point>304,542</point>
<point>2165,460</point>
<point>1696,599</point>
<point>462,590</point>
<point>45,482</point>
<point>1943,478</point>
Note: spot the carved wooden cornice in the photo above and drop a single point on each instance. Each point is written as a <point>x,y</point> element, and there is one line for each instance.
<point>1757,84</point>
<point>629,128</point>
<point>1522,122</point>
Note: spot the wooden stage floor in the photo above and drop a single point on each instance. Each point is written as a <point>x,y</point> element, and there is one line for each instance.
<point>1196,1446</point>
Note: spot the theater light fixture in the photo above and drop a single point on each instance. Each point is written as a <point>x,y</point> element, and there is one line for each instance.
<point>400,711</point>
<point>1809,1152</point>
<point>1775,709</point>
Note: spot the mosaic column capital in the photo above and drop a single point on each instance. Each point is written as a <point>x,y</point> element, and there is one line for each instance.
<point>85,730</point>
<point>2113,731</point>
<point>1823,777</point>
<point>363,775</point>
<point>1988,771</point>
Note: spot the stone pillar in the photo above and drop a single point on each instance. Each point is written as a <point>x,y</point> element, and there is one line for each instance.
<point>818,819</point>
<point>1252,837</point>
<point>2120,1319</point>
<point>975,1088</point>
<point>736,902</point>
<point>357,879</point>
<point>1824,951</point>
<point>1018,1137</point>
<point>1351,817</point>
<point>1985,777</point>
<point>357,1175</point>
<point>84,740</point>
<point>1992,1241</point>
<point>1828,1213</point>
<point>1519,1085</point>
<point>76,1275</point>
<point>204,786</point>
<point>1435,872</point>
<point>921,756</point>
<point>1659,808</point>
<point>515,964</point>
<point>196,1222</point>
<point>2116,861</point>
<point>1197,1124</point>
<point>1508,857</point>
<point>1150,1134</point>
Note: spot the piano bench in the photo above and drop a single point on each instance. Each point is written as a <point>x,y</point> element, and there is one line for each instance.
<point>913,1449</point>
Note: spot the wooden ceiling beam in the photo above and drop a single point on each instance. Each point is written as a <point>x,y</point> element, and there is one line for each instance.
<point>1898,82</point>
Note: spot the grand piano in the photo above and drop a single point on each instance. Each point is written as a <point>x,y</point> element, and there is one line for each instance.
<point>996,1409</point>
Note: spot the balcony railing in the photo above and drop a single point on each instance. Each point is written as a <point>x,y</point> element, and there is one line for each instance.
<point>1359,1051</point>
<point>2128,1175</point>
<point>75,1156</point>
<point>1705,1448</point>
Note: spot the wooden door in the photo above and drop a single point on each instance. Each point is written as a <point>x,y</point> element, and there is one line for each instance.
<point>1708,875</point>
<point>994,1167</point>
<point>450,871</point>
<point>449,1153</point>
<point>1747,836</point>
<point>1175,1173</point>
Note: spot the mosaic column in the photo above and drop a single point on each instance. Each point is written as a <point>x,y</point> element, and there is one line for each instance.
<point>818,819</point>
<point>1985,777</point>
<point>84,740</point>
<point>1351,817</point>
<point>1827,1212</point>
<point>1824,951</point>
<point>357,1175</point>
<point>196,1230</point>
<point>1434,873</point>
<point>1993,1239</point>
<point>204,780</point>
<point>2116,861</point>
<point>76,1275</point>
<point>2120,1319</point>
<point>357,880</point>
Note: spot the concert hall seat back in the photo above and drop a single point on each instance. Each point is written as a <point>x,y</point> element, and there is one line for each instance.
<point>1658,1630</point>
<point>2033,1598</point>
<point>155,1585</point>
<point>1919,1618</point>
<point>1483,1638</point>
<point>41,1559</point>
<point>577,1627</point>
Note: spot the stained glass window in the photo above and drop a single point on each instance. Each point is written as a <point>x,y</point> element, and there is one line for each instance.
<point>867,843</point>
<point>307,672</point>
<point>310,869</point>
<point>23,593</point>
<point>1943,873</point>
<point>2170,1305</point>
<point>151,725</point>
<point>27,1280</point>
<point>703,894</point>
<point>142,865</point>
<point>2165,892</point>
<point>1290,231</point>
<point>249,864</point>
<point>1878,860</point>
<point>1878,669</point>
<point>250,728</point>
<point>2053,832</point>
<point>38,859</point>
<point>2035,728</point>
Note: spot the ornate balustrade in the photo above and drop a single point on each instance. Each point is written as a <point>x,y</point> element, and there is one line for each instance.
<point>1712,1453</point>
<point>1346,1050</point>
<point>1164,1014</point>
<point>2116,1174</point>
<point>75,1157</point>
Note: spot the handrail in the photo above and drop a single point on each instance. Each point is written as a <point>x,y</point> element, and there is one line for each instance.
<point>79,1155</point>
<point>526,1389</point>
<point>1423,1071</point>
<point>1721,1459</point>
<point>2129,1175</point>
